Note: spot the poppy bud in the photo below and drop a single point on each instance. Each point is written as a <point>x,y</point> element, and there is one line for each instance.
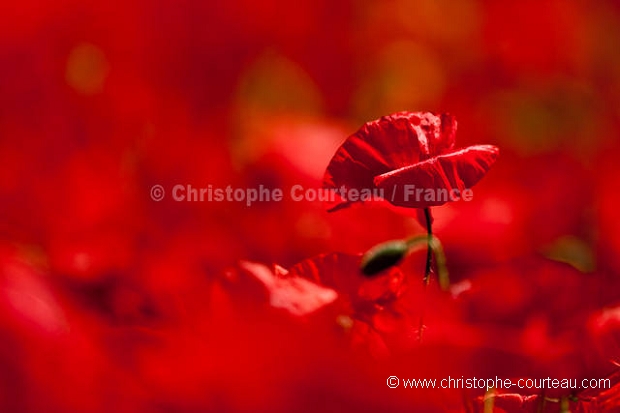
<point>383,256</point>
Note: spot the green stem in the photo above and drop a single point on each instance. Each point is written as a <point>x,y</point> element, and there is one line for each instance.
<point>429,249</point>
<point>440,262</point>
<point>427,270</point>
<point>419,241</point>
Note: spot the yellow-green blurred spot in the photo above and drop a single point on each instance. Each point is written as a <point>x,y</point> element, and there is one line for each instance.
<point>574,251</point>
<point>33,254</point>
<point>564,405</point>
<point>537,119</point>
<point>87,69</point>
<point>272,88</point>
<point>345,322</point>
<point>445,20</point>
<point>274,83</point>
<point>312,226</point>
<point>489,401</point>
<point>406,75</point>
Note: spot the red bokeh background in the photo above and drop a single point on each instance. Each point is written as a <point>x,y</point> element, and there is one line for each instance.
<point>110,301</point>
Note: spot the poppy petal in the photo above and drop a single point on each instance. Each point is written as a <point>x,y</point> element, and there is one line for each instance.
<point>299,296</point>
<point>391,142</point>
<point>430,183</point>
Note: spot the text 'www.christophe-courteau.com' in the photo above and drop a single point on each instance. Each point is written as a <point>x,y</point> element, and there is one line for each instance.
<point>497,383</point>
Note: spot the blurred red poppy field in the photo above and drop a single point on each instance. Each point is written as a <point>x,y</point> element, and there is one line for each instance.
<point>236,206</point>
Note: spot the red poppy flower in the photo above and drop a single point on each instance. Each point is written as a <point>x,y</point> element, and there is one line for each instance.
<point>408,159</point>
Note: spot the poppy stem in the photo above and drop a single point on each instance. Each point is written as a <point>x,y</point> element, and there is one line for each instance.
<point>427,270</point>
<point>429,252</point>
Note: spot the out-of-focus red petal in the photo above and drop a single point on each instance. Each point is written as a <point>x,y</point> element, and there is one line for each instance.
<point>457,170</point>
<point>609,400</point>
<point>603,399</point>
<point>604,327</point>
<point>296,295</point>
<point>391,142</point>
<point>342,273</point>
